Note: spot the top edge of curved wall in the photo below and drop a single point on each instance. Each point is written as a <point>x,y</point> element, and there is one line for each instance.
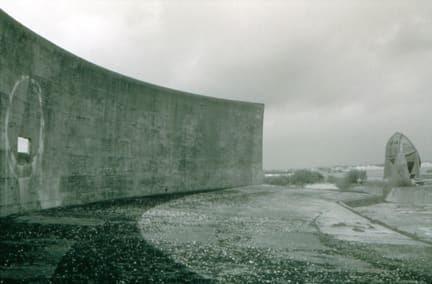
<point>4,14</point>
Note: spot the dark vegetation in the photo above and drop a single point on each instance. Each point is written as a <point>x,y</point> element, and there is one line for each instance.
<point>298,177</point>
<point>356,176</point>
<point>351,178</point>
<point>302,177</point>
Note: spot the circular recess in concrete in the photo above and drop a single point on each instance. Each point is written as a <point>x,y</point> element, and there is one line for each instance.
<point>24,120</point>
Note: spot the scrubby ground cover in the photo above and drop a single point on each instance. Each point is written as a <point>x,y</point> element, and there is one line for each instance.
<point>298,177</point>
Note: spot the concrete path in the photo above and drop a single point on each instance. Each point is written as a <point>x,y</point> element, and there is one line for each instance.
<point>267,233</point>
<point>413,219</point>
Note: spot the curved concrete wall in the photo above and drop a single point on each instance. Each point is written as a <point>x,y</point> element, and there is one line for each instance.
<point>96,135</point>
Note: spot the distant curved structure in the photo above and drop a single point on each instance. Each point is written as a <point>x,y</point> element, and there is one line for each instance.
<point>402,160</point>
<point>72,132</point>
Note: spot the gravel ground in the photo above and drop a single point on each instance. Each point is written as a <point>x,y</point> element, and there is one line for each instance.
<point>276,235</point>
<point>249,235</point>
<point>93,243</point>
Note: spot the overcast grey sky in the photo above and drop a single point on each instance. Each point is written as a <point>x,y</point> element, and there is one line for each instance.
<point>338,78</point>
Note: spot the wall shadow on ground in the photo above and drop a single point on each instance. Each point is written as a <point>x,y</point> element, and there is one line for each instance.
<point>113,251</point>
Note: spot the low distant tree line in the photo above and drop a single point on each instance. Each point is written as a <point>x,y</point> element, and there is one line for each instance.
<point>304,176</point>
<point>298,177</point>
<point>351,178</point>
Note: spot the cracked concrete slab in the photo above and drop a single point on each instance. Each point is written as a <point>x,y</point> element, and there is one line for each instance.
<point>252,227</point>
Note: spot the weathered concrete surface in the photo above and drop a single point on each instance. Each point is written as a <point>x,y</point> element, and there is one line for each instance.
<point>410,212</point>
<point>245,235</point>
<point>267,234</point>
<point>415,195</point>
<point>98,135</point>
<point>402,160</point>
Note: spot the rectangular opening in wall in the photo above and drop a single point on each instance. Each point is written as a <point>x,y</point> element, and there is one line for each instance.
<point>23,145</point>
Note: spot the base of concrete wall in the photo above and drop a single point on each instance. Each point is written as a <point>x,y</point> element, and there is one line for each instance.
<point>418,195</point>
